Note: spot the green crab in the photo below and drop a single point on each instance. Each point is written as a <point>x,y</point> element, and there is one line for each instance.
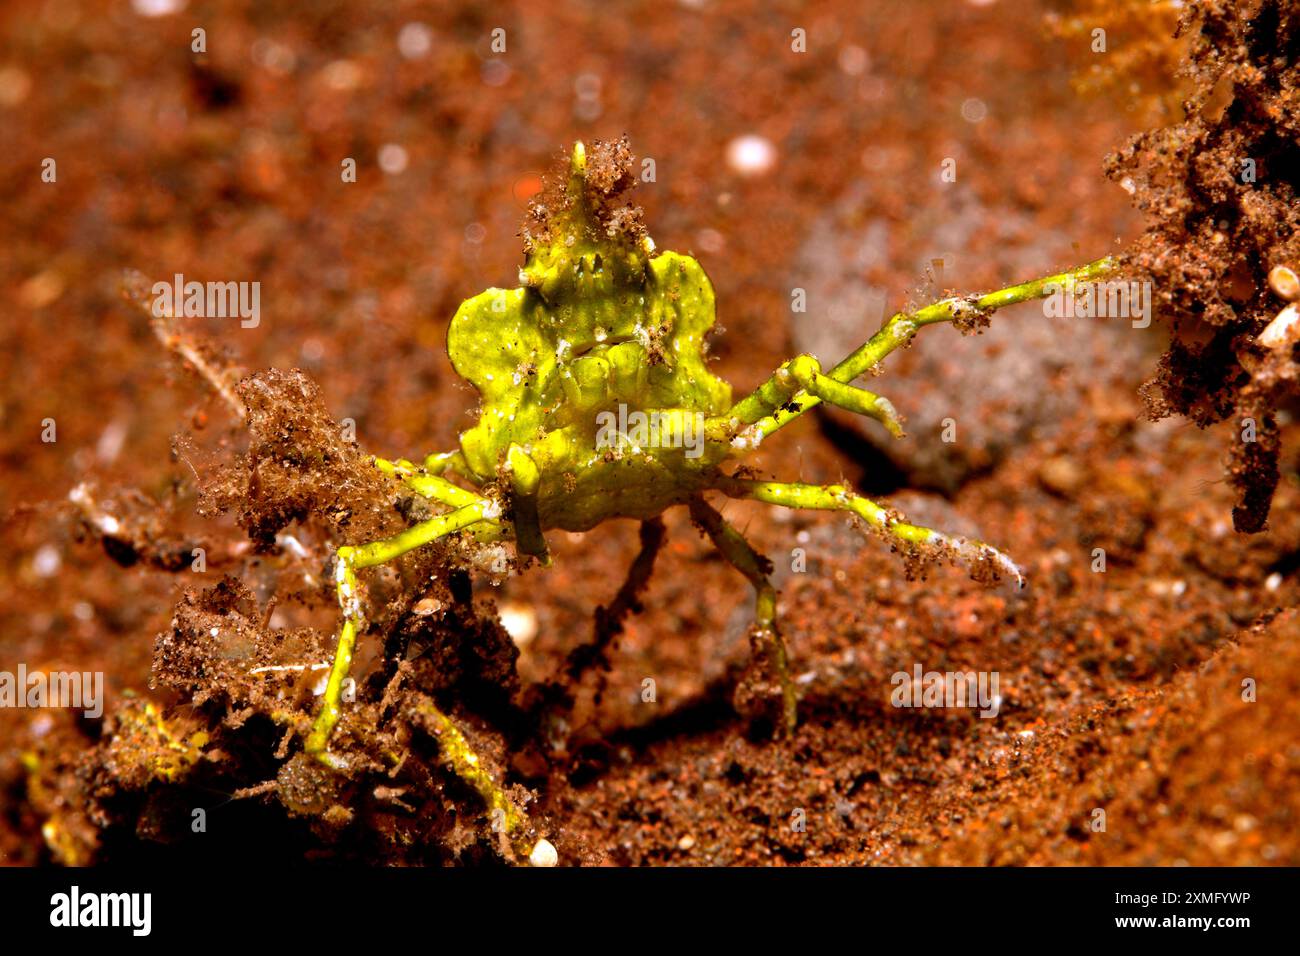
<point>598,403</point>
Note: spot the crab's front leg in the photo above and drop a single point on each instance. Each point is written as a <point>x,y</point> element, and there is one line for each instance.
<point>760,414</point>
<point>427,484</point>
<point>803,374</point>
<point>769,659</point>
<point>473,513</point>
<point>480,516</point>
<point>347,561</point>
<point>984,561</point>
<point>442,461</point>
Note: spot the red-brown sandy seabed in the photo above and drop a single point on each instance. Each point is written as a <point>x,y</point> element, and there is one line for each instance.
<point>1121,690</point>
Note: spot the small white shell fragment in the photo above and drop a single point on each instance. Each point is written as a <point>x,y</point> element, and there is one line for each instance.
<point>1282,330</point>
<point>292,545</point>
<point>544,854</point>
<point>426,606</point>
<point>1284,283</point>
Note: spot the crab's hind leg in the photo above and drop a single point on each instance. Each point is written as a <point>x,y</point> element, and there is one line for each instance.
<point>984,561</point>
<point>611,618</point>
<point>769,658</point>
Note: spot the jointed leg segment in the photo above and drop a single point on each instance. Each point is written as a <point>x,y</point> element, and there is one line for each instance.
<point>804,374</point>
<point>979,556</point>
<point>442,461</point>
<point>766,642</point>
<point>525,483</point>
<point>770,414</point>
<point>427,484</point>
<point>472,512</point>
<point>768,646</point>
<point>348,560</point>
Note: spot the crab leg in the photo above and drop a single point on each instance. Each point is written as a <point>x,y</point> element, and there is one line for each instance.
<point>804,375</point>
<point>348,561</point>
<point>609,624</point>
<point>525,483</point>
<point>441,461</point>
<point>976,555</point>
<point>765,640</point>
<point>899,331</point>
<point>477,515</point>
<point>427,485</point>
